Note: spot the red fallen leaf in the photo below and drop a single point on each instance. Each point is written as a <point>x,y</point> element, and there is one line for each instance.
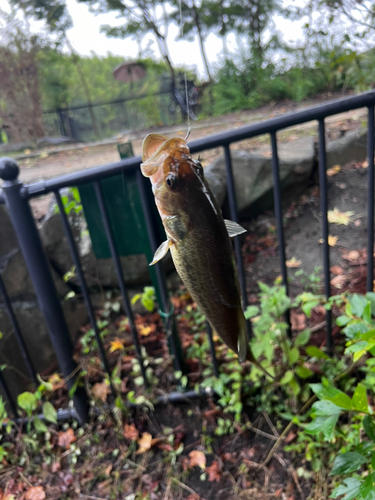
<point>35,493</point>
<point>130,432</point>
<point>338,281</point>
<point>56,466</point>
<point>165,447</point>
<point>66,438</point>
<point>229,457</point>
<point>336,270</point>
<point>197,458</point>
<point>298,321</point>
<point>214,472</point>
<point>290,437</point>
<point>351,256</point>
<point>278,492</point>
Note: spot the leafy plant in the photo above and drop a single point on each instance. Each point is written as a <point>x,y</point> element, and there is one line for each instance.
<point>147,298</point>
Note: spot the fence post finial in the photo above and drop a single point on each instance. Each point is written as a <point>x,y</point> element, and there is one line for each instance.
<point>9,169</point>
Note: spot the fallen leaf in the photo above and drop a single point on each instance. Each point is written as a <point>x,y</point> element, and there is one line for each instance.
<point>145,330</point>
<point>352,255</point>
<point>35,493</point>
<point>6,496</point>
<point>27,151</point>
<point>131,432</point>
<point>197,458</point>
<point>293,263</point>
<point>116,345</point>
<point>341,185</point>
<point>107,470</point>
<point>66,438</point>
<point>338,281</point>
<point>290,437</point>
<point>336,270</point>
<point>332,240</point>
<point>364,164</point>
<point>298,321</point>
<point>340,218</point>
<point>333,170</point>
<point>214,473</point>
<point>144,443</point>
<point>56,466</point>
<point>100,391</point>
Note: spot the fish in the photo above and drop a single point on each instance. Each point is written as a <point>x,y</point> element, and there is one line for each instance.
<point>198,237</point>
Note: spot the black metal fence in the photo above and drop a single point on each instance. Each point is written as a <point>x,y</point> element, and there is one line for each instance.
<point>102,120</point>
<point>17,196</point>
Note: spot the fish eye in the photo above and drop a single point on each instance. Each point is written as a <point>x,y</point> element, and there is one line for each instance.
<point>171,181</point>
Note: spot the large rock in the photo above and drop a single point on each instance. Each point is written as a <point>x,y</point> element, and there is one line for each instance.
<point>253,171</point>
<point>350,147</point>
<point>35,334</point>
<point>98,272</point>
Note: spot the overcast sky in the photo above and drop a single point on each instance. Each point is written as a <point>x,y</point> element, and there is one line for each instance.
<point>86,37</point>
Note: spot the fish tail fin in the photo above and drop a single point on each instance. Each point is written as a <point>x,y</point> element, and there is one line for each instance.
<point>250,357</point>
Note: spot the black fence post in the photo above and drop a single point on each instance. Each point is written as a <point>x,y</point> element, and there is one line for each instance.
<point>40,274</point>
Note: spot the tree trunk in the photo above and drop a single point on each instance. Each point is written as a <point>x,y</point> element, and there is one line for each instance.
<point>201,43</point>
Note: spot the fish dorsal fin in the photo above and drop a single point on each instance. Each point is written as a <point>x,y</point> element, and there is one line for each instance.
<point>161,251</point>
<point>233,228</point>
<point>151,143</point>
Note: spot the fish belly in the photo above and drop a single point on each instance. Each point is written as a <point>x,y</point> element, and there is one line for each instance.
<point>206,266</point>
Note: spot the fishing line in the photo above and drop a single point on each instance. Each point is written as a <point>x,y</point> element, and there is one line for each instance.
<point>186,89</point>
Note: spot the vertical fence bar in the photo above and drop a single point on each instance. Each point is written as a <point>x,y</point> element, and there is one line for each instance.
<point>8,395</point>
<point>370,197</point>
<point>120,275</point>
<point>85,291</point>
<point>237,241</point>
<point>178,361</point>
<point>212,349</point>
<point>325,228</point>
<point>18,334</point>
<point>44,286</point>
<point>279,218</point>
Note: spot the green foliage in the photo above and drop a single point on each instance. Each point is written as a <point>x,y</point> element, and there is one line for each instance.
<point>147,298</point>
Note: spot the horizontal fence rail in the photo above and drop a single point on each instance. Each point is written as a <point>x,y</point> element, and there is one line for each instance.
<point>16,196</point>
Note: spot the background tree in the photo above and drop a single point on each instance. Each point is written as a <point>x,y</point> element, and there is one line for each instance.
<point>141,17</point>
<point>20,106</point>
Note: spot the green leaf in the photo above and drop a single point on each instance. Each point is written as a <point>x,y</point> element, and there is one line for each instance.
<point>288,377</point>
<point>350,489</point>
<point>315,352</point>
<point>49,412</point>
<point>39,425</point>
<point>369,427</point>
<point>27,401</point>
<point>294,385</point>
<point>308,306</point>
<point>324,425</point>
<point>347,462</point>
<point>359,399</point>
<point>332,394</point>
<point>293,355</point>
<point>367,489</point>
<point>342,320</point>
<point>367,313</point>
<point>251,311</point>
<point>302,338</point>
<point>359,346</point>
<point>370,296</point>
<point>303,372</point>
<point>354,328</point>
<point>325,409</point>
<point>136,298</point>
<point>357,303</point>
<point>148,303</point>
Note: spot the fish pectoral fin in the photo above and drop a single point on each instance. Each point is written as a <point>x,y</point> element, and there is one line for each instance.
<point>233,228</point>
<point>161,251</point>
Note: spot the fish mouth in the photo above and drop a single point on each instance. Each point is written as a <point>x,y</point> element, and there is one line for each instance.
<point>156,149</point>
